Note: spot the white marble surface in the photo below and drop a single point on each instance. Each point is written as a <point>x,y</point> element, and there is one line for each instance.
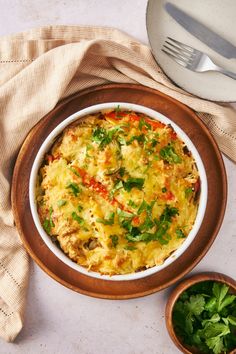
<point>58,320</point>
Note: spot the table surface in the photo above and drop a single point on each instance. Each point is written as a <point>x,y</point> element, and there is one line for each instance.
<point>58,320</point>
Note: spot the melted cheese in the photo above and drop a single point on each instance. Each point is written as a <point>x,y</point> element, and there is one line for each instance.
<point>83,188</point>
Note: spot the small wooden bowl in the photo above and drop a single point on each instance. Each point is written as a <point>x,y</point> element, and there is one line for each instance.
<point>184,285</point>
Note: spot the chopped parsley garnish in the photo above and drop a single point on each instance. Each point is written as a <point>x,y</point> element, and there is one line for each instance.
<point>121,171</point>
<point>164,190</point>
<point>80,208</point>
<point>136,234</point>
<point>61,202</point>
<point>114,240</point>
<point>139,138</point>
<point>48,223</point>
<point>188,191</point>
<point>108,221</point>
<point>74,171</point>
<point>180,233</point>
<point>154,142</point>
<point>118,185</point>
<point>74,188</point>
<point>117,108</point>
<point>204,317</point>
<point>169,154</point>
<point>77,218</point>
<point>133,183</point>
<point>104,137</point>
<point>132,204</point>
<point>143,123</point>
<point>130,248</point>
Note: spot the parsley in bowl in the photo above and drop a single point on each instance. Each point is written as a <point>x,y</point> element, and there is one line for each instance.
<point>201,314</point>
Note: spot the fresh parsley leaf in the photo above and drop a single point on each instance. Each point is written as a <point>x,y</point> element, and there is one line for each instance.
<point>48,223</point>
<point>169,154</point>
<point>132,204</point>
<point>200,320</point>
<point>196,304</point>
<point>232,320</point>
<point>47,226</point>
<point>74,188</point>
<point>109,221</point>
<point>216,344</point>
<point>130,248</point>
<point>188,191</point>
<point>121,171</point>
<point>80,208</point>
<point>144,123</point>
<point>133,183</point>
<point>180,233</point>
<point>139,138</point>
<point>114,240</point>
<point>222,299</point>
<point>77,218</point>
<point>72,169</point>
<point>164,190</point>
<point>118,185</point>
<point>104,137</point>
<point>61,202</point>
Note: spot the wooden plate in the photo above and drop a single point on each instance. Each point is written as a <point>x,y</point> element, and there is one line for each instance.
<point>217,192</point>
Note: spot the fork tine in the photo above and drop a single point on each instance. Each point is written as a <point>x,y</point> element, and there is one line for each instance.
<point>177,51</point>
<point>182,45</point>
<point>175,58</point>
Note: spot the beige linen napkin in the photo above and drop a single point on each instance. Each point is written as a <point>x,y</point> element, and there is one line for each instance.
<point>38,69</point>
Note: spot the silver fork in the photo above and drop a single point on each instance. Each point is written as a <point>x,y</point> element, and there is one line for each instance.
<point>192,58</point>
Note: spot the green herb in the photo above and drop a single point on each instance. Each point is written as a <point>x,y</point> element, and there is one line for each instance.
<point>130,248</point>
<point>132,204</point>
<point>143,123</point>
<point>80,208</point>
<point>203,317</point>
<point>169,154</point>
<point>156,158</point>
<point>61,202</point>
<point>188,191</point>
<point>88,147</point>
<point>114,240</point>
<point>48,223</point>
<point>180,233</point>
<point>74,188</point>
<point>118,185</point>
<point>47,226</point>
<point>164,190</point>
<point>154,142</point>
<point>136,234</point>
<point>104,137</point>
<point>74,171</point>
<point>109,221</point>
<point>133,183</point>
<point>139,138</point>
<point>117,108</point>
<point>77,218</point>
<point>121,171</point>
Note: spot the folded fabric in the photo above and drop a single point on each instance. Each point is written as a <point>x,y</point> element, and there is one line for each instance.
<point>38,69</point>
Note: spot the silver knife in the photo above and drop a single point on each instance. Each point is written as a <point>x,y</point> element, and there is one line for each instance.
<point>200,31</point>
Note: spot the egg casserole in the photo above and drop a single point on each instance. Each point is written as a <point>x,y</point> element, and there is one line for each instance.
<point>118,192</point>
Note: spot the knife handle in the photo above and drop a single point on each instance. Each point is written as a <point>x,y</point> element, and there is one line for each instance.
<point>226,72</point>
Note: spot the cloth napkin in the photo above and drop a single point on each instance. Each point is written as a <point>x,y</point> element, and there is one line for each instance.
<point>39,68</point>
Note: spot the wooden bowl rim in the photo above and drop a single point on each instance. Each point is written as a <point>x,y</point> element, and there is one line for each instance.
<point>180,288</point>
<point>99,94</point>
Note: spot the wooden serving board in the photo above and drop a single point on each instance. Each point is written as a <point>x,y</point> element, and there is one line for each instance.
<point>217,192</point>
